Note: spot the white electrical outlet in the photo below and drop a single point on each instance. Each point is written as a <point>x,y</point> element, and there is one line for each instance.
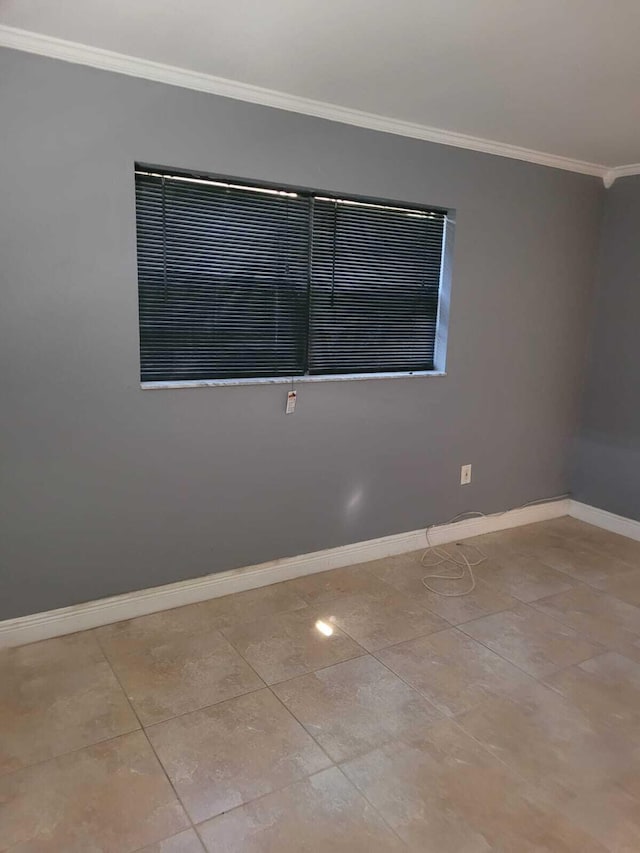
<point>465,475</point>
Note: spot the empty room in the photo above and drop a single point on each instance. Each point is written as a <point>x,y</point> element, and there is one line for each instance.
<point>319,426</point>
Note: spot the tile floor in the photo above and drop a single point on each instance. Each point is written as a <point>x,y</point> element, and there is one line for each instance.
<point>347,711</point>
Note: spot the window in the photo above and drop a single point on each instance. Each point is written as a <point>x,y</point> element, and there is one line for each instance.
<point>240,281</point>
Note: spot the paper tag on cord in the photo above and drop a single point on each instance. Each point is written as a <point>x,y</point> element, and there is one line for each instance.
<point>291,402</point>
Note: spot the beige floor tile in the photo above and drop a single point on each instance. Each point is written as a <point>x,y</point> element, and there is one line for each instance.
<point>291,644</point>
<point>585,552</point>
<point>112,797</point>
<point>550,742</point>
<point>385,568</point>
<point>600,618</point>
<point>553,527</point>
<point>631,650</point>
<point>567,527</point>
<point>373,612</point>
<point>181,675</point>
<point>531,640</point>
<point>407,577</point>
<point>629,778</point>
<point>354,706</point>
<point>253,604</point>
<point>610,815</point>
<point>492,545</point>
<point>403,572</point>
<point>55,655</point>
<point>604,541</point>
<point>625,586</point>
<point>157,629</point>
<point>453,671</point>
<point>522,540</point>
<point>231,753</point>
<point>57,696</point>
<point>606,689</point>
<point>376,620</point>
<point>446,793</point>
<point>323,813</point>
<point>184,842</point>
<point>617,547</point>
<point>323,587</point>
<point>481,601</point>
<point>523,577</point>
<point>579,561</point>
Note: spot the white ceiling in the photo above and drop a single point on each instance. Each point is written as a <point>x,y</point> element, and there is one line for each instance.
<point>556,76</point>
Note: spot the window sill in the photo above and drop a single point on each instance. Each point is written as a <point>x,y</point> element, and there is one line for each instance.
<point>288,380</point>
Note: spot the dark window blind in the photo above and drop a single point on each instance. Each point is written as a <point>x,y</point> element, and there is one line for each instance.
<point>375,284</point>
<point>223,280</point>
<point>247,282</point>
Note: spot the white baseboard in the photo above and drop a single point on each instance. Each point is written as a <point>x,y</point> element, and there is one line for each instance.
<point>607,520</point>
<point>92,614</point>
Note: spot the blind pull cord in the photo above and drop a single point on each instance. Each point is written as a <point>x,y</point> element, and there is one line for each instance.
<point>164,237</point>
<point>335,251</point>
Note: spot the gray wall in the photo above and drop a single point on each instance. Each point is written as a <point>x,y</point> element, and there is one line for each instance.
<point>108,488</point>
<point>607,458</point>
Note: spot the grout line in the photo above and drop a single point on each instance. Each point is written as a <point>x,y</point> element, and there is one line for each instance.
<point>498,695</point>
<point>334,763</point>
<point>269,684</point>
<point>531,782</point>
<point>199,836</point>
<point>7,773</point>
<point>262,686</point>
<point>576,583</point>
<point>373,655</point>
<point>362,653</point>
<point>301,724</point>
<point>168,778</point>
<point>146,726</point>
<point>170,837</point>
<point>319,669</point>
<point>460,627</point>
<point>579,631</point>
<point>266,794</point>
<point>146,737</point>
<point>588,545</point>
<point>572,540</point>
<point>278,790</point>
<point>512,663</point>
<point>405,682</point>
<point>368,801</point>
<point>367,749</point>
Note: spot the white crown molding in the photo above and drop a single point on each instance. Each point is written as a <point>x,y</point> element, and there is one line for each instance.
<point>611,175</point>
<point>92,614</point>
<point>108,60</point>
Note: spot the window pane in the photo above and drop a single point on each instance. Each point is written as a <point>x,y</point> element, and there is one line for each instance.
<point>223,281</point>
<point>375,282</point>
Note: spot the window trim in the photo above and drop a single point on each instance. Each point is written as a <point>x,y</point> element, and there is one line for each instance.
<point>444,289</point>
<point>165,384</point>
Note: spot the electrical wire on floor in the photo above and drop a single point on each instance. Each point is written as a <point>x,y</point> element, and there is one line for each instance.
<point>463,563</point>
